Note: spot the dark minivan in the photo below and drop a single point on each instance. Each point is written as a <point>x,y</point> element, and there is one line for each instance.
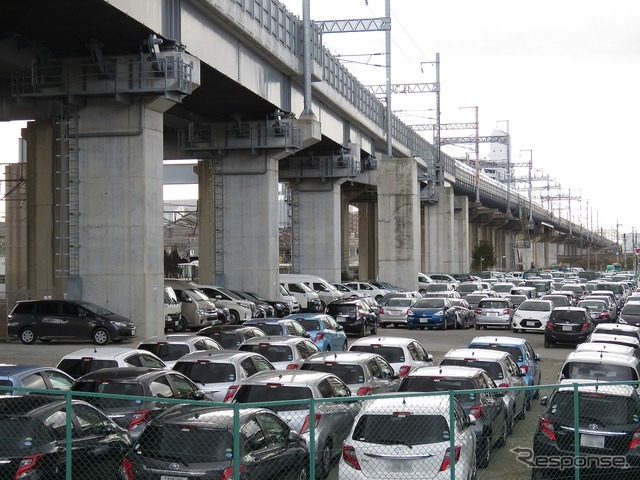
<point>47,319</point>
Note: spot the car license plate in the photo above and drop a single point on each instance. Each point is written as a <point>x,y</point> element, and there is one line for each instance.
<point>567,328</point>
<point>596,441</point>
<point>492,314</point>
<point>531,323</point>
<point>171,477</point>
<point>424,320</point>
<point>399,465</point>
<point>341,319</point>
<point>133,332</point>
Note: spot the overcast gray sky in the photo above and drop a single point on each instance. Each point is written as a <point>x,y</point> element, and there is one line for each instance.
<point>564,73</point>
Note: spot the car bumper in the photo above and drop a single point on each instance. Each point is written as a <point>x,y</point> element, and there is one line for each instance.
<point>532,324</point>
<point>560,337</point>
<point>493,321</point>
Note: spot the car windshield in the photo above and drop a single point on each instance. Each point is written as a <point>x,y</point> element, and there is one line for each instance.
<point>110,387</point>
<point>273,353</point>
<point>492,368</point>
<point>309,325</point>
<point>594,408</point>
<point>419,383</point>
<point>76,367</point>
<point>18,435</point>
<point>515,352</point>
<point>166,351</point>
<point>207,372</point>
<point>197,295</point>
<point>467,287</point>
<point>601,371</point>
<point>274,392</point>
<point>631,309</point>
<point>503,288</point>
<point>492,304</point>
<point>534,306</point>
<point>402,428</point>
<point>183,443</point>
<point>349,374</point>
<point>95,309</point>
<point>430,303</point>
<point>390,354</point>
<point>400,302</point>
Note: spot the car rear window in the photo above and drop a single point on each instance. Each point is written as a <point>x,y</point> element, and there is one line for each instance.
<point>595,408</point>
<point>274,392</point>
<point>515,352</point>
<point>349,374</point>
<point>207,372</point>
<point>419,383</point>
<point>600,371</point>
<point>631,309</point>
<point>227,340</point>
<point>6,383</point>
<point>390,354</point>
<point>18,434</point>
<point>430,303</point>
<point>492,368</point>
<point>23,308</point>
<point>76,367</point>
<point>341,309</point>
<point>110,387</point>
<point>273,353</point>
<point>309,325</point>
<point>492,304</point>
<point>400,302</point>
<point>566,315</point>
<point>166,351</point>
<point>271,329</point>
<point>183,443</point>
<point>401,428</point>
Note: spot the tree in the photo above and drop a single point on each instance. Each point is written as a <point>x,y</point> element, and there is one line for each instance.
<point>483,256</point>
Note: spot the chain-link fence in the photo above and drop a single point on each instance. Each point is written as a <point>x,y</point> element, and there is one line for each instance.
<point>463,434</point>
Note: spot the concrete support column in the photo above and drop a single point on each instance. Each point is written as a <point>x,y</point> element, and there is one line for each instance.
<point>368,244</point>
<point>399,222</point>
<point>121,209</point>
<point>440,233</point>
<point>320,249</point>
<point>345,228</point>
<point>238,241</point>
<point>461,253</point>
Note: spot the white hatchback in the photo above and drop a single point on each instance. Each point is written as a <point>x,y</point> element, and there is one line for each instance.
<point>531,315</point>
<point>404,354</point>
<point>409,438</point>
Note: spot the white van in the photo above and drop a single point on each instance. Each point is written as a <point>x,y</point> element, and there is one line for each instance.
<point>173,318</point>
<point>325,290</point>
<point>285,296</point>
<point>308,299</point>
<point>197,308</point>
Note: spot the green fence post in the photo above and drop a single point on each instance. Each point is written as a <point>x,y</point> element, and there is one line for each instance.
<point>452,436</point>
<point>312,439</point>
<point>576,432</point>
<point>68,433</point>
<point>236,441</point>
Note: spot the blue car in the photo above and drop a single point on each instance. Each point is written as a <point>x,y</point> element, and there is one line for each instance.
<point>274,327</point>
<point>325,331</point>
<point>523,354</point>
<point>431,313</point>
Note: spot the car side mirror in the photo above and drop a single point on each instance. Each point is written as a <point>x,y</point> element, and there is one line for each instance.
<point>538,358</point>
<point>472,419</point>
<point>521,372</point>
<point>340,328</point>
<point>200,395</point>
<point>395,376</point>
<point>544,401</point>
<point>294,437</point>
<point>307,335</point>
<point>430,357</point>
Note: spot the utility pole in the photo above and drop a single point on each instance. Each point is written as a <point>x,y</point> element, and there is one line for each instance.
<point>530,165</point>
<point>477,142</point>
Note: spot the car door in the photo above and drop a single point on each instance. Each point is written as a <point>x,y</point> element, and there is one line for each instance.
<point>331,333</point>
<point>78,321</point>
<point>183,387</point>
<point>516,380</point>
<point>534,364</point>
<point>278,453</point>
<point>493,406</point>
<point>388,381</point>
<point>345,412</point>
<point>49,320</point>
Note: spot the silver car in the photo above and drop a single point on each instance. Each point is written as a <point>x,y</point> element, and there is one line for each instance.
<point>364,373</point>
<point>494,312</point>
<point>284,352</point>
<point>219,374</point>
<point>332,420</point>
<point>395,311</point>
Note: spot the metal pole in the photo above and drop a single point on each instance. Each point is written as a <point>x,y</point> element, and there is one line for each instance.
<point>307,60</point>
<point>477,157</point>
<point>439,169</point>
<point>387,37</point>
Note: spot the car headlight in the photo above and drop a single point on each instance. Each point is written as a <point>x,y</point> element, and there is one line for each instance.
<point>439,313</point>
<point>545,318</point>
<point>244,305</point>
<point>622,320</point>
<point>119,324</point>
<point>200,311</point>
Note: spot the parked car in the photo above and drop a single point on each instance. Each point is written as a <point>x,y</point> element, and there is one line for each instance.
<point>504,371</point>
<point>605,337</point>
<point>354,316</point>
<point>431,313</point>
<point>559,300</point>
<point>366,287</point>
<point>326,291</point>
<point>169,348</point>
<point>284,353</point>
<point>630,314</point>
<point>487,408</point>
<point>230,337</point>
<point>193,441</point>
<point>32,377</point>
<point>618,329</point>
<point>196,307</point>
<point>308,299</point>
<point>173,319</point>
<point>349,292</point>
<point>239,308</point>
<point>494,312</point>
<point>134,414</point>
<point>34,441</point>
<point>403,354</point>
<point>599,310</point>
<point>522,352</point>
<point>516,299</point>
<point>324,330</point>
<point>332,419</point>
<point>608,425</point>
<point>219,374</point>
<point>384,300</point>
<point>409,435</point>
<point>531,315</point>
<point>474,298</point>
<point>281,308</point>
<point>465,315</point>
<point>31,320</point>
<point>264,309</point>
<point>364,373</point>
<point>86,360</point>
<point>567,325</point>
<point>503,288</point>
<point>395,311</point>
<point>279,326</point>
<point>466,288</point>
<point>605,347</point>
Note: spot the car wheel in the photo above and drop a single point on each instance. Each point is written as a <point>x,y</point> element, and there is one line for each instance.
<point>374,330</point>
<point>383,325</point>
<point>101,336</point>
<point>362,331</point>
<point>345,347</point>
<point>484,452</point>
<point>477,327</point>
<point>183,325</point>
<point>303,473</point>
<point>515,330</point>
<point>234,317</point>
<point>510,423</point>
<point>528,402</point>
<point>409,327</point>
<point>323,305</point>
<point>547,343</point>
<point>502,441</point>
<point>523,412</point>
<point>28,336</point>
<point>326,460</point>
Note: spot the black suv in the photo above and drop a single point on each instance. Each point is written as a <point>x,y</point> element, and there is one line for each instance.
<point>192,441</point>
<point>134,413</point>
<point>33,440</point>
<point>567,325</point>
<point>48,319</point>
<point>230,336</point>
<point>354,316</point>
<point>488,408</point>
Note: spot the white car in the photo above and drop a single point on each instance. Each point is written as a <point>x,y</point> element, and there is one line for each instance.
<point>169,348</point>
<point>366,287</point>
<point>409,438</point>
<point>284,352</point>
<point>239,308</point>
<point>531,315</point>
<point>618,329</point>
<point>87,360</point>
<point>404,354</point>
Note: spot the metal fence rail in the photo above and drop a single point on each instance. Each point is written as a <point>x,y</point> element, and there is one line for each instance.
<point>409,435</point>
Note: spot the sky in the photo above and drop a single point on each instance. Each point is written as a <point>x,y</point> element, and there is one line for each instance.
<point>561,75</point>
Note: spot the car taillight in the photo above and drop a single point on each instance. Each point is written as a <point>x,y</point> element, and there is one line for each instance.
<point>381,311</point>
<point>292,366</point>
<point>126,470</point>
<point>139,417</point>
<point>635,440</point>
<point>604,315</point>
<point>28,465</point>
<point>503,385</point>
<point>319,336</point>
<point>227,473</point>
<point>231,391</point>
<point>477,311</point>
<point>307,422</point>
<point>585,326</point>
<point>364,391</point>
<point>476,411</point>
<point>446,461</point>
<point>404,369</point>
<point>506,311</point>
<point>525,368</point>
<point>549,325</point>
<point>349,456</point>
<point>546,427</point>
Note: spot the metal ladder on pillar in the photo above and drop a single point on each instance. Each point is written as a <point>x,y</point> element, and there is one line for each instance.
<point>217,239</point>
<point>295,228</point>
<point>67,195</point>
